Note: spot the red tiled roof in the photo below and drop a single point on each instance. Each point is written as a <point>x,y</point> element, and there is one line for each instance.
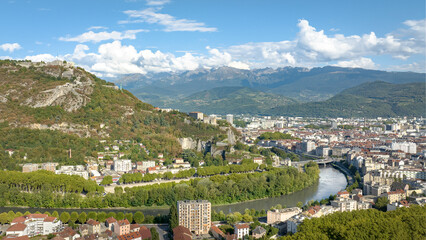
<point>16,238</point>
<point>129,236</point>
<point>36,215</point>
<point>123,222</point>
<point>241,226</point>
<point>217,230</point>
<point>58,238</point>
<point>49,219</point>
<point>181,233</point>
<point>19,219</point>
<point>67,232</point>
<point>17,227</point>
<point>111,220</point>
<point>145,232</point>
<point>92,222</point>
<point>134,226</point>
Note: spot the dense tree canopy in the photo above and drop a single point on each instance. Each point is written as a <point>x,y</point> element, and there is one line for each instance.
<point>403,223</point>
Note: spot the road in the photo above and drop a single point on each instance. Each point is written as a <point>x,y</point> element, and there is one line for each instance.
<point>110,188</point>
<point>162,229</point>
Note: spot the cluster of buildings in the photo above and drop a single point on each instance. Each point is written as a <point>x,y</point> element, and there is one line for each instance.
<point>24,227</point>
<point>287,219</point>
<point>195,221</point>
<point>33,224</point>
<point>388,154</point>
<point>111,162</point>
<point>211,119</point>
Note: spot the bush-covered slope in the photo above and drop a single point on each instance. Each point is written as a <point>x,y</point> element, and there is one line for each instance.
<point>37,97</point>
<point>403,223</point>
<point>377,99</point>
<point>236,100</point>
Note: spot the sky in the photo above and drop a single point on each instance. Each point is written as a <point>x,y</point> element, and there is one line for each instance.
<point>113,37</point>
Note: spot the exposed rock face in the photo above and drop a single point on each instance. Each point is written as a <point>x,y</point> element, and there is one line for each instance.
<point>80,130</point>
<point>189,143</point>
<point>3,99</point>
<point>70,96</point>
<point>231,137</point>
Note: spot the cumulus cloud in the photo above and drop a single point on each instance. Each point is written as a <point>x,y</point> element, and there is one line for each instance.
<point>310,48</point>
<point>156,2</point>
<point>102,36</point>
<point>410,67</point>
<point>10,47</point>
<point>42,57</point>
<point>358,63</point>
<point>115,58</point>
<point>171,24</point>
<point>96,28</point>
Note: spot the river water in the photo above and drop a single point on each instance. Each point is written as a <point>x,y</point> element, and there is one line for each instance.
<point>331,181</point>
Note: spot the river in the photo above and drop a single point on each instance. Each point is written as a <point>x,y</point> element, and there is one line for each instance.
<point>331,181</point>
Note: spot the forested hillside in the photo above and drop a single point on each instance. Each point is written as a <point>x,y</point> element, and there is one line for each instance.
<point>403,223</point>
<point>223,100</point>
<point>377,99</point>
<point>46,109</point>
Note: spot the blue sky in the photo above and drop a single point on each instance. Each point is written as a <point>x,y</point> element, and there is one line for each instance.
<point>111,37</point>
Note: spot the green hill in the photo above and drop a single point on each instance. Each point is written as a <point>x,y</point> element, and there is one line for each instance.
<point>366,100</point>
<point>236,100</point>
<point>46,109</point>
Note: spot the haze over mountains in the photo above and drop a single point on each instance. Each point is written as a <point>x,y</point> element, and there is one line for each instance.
<point>199,90</point>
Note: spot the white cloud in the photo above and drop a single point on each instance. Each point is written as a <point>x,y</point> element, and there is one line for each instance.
<point>310,48</point>
<point>313,47</point>
<point>358,63</point>
<point>10,47</point>
<point>102,36</point>
<point>170,23</point>
<point>156,2</point>
<point>115,58</point>
<point>41,57</point>
<point>410,67</point>
<point>96,28</point>
<point>5,57</point>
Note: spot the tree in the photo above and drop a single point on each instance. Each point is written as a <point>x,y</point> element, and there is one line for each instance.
<point>74,217</point>
<point>65,217</point>
<point>299,204</point>
<point>102,216</point>
<point>54,214</point>
<point>4,218</point>
<point>382,203</point>
<point>138,217</point>
<point>82,217</point>
<point>173,216</point>
<point>120,216</point>
<point>107,180</point>
<point>111,214</point>
<point>129,216</point>
<point>92,215</point>
<point>154,234</point>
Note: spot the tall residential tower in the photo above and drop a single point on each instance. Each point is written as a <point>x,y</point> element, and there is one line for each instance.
<point>195,215</point>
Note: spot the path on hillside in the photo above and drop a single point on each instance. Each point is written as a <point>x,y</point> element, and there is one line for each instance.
<point>110,188</point>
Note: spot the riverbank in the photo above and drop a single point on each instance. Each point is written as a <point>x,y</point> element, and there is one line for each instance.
<point>330,182</point>
<point>349,176</point>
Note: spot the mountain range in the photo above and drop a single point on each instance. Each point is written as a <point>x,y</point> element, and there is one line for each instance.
<point>301,84</point>
<point>288,90</point>
<point>376,99</point>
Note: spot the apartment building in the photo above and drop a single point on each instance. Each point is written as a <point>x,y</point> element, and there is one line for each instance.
<point>34,224</point>
<point>195,215</point>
